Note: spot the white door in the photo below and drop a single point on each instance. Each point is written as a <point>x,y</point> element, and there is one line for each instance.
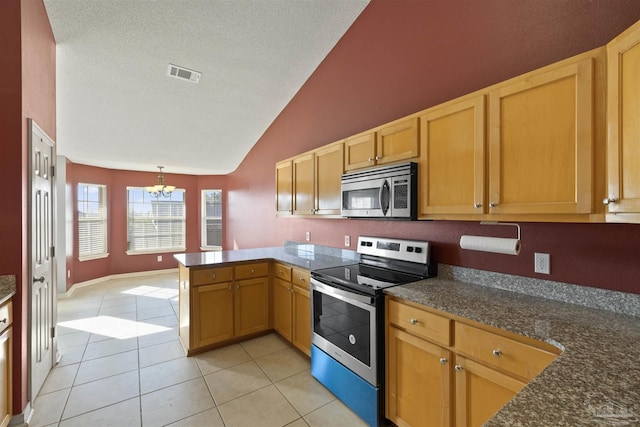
<point>42,296</point>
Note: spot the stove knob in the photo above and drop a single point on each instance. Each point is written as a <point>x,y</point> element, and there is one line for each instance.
<point>418,250</point>
<point>410,248</point>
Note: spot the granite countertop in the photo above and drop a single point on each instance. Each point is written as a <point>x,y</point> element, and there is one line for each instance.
<point>7,287</point>
<point>310,257</point>
<point>594,382</point>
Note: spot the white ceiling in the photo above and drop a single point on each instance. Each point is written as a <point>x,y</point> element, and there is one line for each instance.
<point>117,108</point>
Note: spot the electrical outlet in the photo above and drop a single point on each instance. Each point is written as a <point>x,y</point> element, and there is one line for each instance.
<point>307,236</point>
<point>542,263</point>
<point>347,240</point>
<point>159,258</point>
<point>68,274</point>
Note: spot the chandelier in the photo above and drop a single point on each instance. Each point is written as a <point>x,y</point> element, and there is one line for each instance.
<point>160,189</point>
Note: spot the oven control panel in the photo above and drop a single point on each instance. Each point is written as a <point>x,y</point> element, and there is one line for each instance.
<point>400,249</point>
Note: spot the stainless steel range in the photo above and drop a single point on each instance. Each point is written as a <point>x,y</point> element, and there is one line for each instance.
<point>347,312</point>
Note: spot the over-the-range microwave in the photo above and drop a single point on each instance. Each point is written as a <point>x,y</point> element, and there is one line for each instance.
<point>389,192</point>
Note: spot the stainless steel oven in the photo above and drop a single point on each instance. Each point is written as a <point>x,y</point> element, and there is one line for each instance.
<point>347,313</point>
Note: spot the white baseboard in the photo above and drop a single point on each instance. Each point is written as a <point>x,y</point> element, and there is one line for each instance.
<point>22,419</point>
<point>79,285</point>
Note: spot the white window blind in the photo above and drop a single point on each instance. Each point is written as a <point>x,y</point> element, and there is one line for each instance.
<point>212,219</point>
<point>155,224</point>
<point>92,221</point>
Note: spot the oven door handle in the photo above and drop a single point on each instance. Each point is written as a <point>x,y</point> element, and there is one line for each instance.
<point>358,299</point>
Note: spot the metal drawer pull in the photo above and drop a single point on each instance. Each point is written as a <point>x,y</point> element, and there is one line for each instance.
<point>497,353</point>
<point>414,321</point>
<point>458,368</point>
<point>443,360</point>
<point>302,279</point>
<point>608,200</point>
<point>253,271</point>
<point>4,320</point>
<point>213,276</point>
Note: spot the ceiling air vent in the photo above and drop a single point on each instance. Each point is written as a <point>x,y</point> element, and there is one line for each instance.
<point>183,73</point>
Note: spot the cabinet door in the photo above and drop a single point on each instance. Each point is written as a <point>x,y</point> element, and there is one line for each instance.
<point>329,168</point>
<point>212,314</point>
<point>302,319</point>
<point>303,174</point>
<point>5,377</point>
<point>480,392</point>
<point>284,187</point>
<point>623,119</point>
<point>541,142</point>
<point>452,158</point>
<point>418,381</point>
<point>360,151</point>
<point>252,306</point>
<point>398,141</point>
<point>282,308</point>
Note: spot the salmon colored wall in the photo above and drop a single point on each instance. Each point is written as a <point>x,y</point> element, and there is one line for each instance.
<point>27,90</point>
<point>404,56</point>
<point>118,261</point>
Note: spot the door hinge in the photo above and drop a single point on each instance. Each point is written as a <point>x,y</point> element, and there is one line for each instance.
<point>53,332</point>
<point>53,251</point>
<point>53,170</point>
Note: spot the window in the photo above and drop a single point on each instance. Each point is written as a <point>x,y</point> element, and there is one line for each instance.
<point>155,224</point>
<point>92,221</point>
<point>212,219</point>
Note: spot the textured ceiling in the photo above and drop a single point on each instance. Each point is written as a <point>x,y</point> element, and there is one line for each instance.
<point>117,108</point>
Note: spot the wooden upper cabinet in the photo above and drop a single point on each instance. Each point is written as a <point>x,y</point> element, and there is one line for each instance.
<point>451,169</point>
<point>397,141</point>
<point>329,167</point>
<point>623,119</point>
<point>303,185</point>
<point>284,187</point>
<point>360,151</point>
<point>541,141</point>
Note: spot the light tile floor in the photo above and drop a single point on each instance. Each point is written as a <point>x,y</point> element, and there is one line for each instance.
<point>122,365</point>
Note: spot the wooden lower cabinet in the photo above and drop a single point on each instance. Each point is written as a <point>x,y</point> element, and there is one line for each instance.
<point>291,306</point>
<point>412,364</point>
<point>251,306</point>
<point>5,363</point>
<point>430,383</point>
<point>480,392</point>
<point>212,314</point>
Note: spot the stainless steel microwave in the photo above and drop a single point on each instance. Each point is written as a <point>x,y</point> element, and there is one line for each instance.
<point>382,192</point>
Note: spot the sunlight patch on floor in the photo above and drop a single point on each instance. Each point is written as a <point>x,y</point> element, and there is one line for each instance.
<point>114,327</point>
<point>152,291</point>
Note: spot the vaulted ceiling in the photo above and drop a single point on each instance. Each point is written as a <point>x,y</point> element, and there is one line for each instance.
<point>117,107</point>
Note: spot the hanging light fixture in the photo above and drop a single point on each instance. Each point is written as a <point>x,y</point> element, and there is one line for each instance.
<point>160,189</point>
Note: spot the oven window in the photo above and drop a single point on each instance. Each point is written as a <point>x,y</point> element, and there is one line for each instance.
<point>345,325</point>
<point>361,199</point>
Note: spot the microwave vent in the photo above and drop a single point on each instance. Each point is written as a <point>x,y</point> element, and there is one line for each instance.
<point>183,73</point>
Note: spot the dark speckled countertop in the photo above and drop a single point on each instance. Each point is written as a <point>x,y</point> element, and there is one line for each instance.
<point>7,287</point>
<point>594,382</point>
<point>311,257</point>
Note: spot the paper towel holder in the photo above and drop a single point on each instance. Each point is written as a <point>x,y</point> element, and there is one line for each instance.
<point>512,224</point>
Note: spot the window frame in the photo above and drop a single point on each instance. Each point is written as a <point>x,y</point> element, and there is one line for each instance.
<point>157,250</point>
<point>204,217</point>
<point>102,218</point>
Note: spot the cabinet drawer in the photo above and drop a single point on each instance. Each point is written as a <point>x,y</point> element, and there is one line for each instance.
<point>419,322</point>
<point>212,275</point>
<point>301,278</point>
<point>282,271</point>
<point>6,315</point>
<point>500,351</point>
<point>248,271</point>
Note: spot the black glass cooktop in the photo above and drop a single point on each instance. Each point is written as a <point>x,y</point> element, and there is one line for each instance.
<point>364,277</point>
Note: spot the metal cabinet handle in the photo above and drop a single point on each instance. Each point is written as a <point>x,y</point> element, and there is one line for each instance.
<point>443,360</point>
<point>414,321</point>
<point>253,271</point>
<point>497,352</point>
<point>458,368</point>
<point>492,204</point>
<point>213,276</point>
<point>230,287</point>
<point>378,157</point>
<point>301,279</point>
<point>38,279</point>
<point>371,159</point>
<point>608,200</point>
<point>477,205</point>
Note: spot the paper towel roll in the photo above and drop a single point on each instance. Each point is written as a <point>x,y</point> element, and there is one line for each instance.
<point>491,244</point>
